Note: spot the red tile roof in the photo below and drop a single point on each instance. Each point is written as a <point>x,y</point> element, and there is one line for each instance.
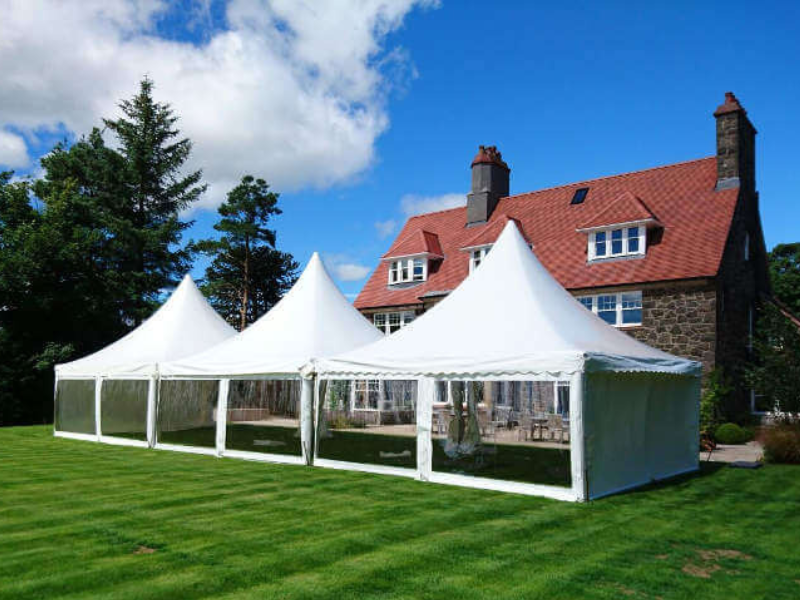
<point>695,219</point>
<point>488,234</point>
<point>418,241</point>
<point>627,208</point>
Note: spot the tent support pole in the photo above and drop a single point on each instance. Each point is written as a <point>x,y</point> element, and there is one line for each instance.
<point>98,390</point>
<point>306,420</point>
<point>576,436</point>
<point>152,386</point>
<point>426,390</point>
<point>222,415</point>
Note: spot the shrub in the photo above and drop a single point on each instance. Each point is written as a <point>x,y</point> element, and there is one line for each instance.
<point>782,443</point>
<point>730,433</point>
<point>717,390</point>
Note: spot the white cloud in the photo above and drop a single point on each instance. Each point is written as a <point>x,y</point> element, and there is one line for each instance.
<point>344,269</point>
<point>386,228</point>
<point>414,204</point>
<point>291,91</point>
<point>13,151</point>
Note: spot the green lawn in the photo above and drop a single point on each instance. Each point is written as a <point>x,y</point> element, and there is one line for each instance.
<point>83,520</point>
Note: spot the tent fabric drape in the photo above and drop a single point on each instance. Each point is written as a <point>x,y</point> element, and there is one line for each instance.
<point>313,320</point>
<point>508,318</point>
<point>184,325</point>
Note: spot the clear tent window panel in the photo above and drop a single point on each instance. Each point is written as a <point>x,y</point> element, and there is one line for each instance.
<point>123,408</point>
<point>264,416</point>
<point>350,430</point>
<point>505,430</point>
<point>75,406</point>
<point>187,412</point>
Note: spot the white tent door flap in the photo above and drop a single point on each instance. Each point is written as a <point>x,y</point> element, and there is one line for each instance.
<point>638,428</point>
<point>263,416</point>
<point>187,413</point>
<point>123,408</point>
<point>369,422</point>
<point>75,406</point>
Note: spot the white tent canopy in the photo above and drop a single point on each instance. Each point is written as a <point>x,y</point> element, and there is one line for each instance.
<point>111,395</point>
<point>632,410</point>
<point>509,317</point>
<point>262,406</point>
<point>184,325</point>
<point>313,320</point>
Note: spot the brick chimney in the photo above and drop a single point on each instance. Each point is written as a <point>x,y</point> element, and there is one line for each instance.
<point>489,184</point>
<point>736,146</point>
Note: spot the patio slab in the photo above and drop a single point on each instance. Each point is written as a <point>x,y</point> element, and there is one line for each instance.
<point>727,453</point>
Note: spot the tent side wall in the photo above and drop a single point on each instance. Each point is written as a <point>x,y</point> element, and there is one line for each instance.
<point>639,427</point>
<point>75,407</point>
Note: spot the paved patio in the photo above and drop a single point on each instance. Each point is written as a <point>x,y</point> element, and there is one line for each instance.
<point>726,453</point>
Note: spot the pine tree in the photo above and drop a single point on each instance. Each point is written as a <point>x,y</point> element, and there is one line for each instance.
<point>247,274</point>
<point>156,194</point>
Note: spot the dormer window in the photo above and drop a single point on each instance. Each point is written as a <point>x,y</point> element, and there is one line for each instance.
<point>476,257</point>
<point>408,270</point>
<point>615,242</point>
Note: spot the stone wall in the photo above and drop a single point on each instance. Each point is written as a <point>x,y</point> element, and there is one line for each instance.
<point>680,319</point>
<point>741,282</point>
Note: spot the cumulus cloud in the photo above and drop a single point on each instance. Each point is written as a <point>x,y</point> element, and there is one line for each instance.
<point>386,228</point>
<point>345,269</point>
<point>414,204</point>
<point>13,152</point>
<point>291,91</point>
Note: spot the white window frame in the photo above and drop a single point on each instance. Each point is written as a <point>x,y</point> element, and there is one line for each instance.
<point>477,255</point>
<point>641,235</point>
<point>617,306</point>
<point>382,320</point>
<point>405,266</point>
<point>366,387</point>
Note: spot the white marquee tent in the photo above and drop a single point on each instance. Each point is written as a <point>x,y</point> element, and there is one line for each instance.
<point>110,395</point>
<point>245,397</point>
<point>507,368</point>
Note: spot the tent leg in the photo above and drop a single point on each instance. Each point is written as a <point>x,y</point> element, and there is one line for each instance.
<point>426,391</point>
<point>576,435</point>
<point>98,390</point>
<point>222,415</point>
<point>306,420</point>
<point>151,411</point>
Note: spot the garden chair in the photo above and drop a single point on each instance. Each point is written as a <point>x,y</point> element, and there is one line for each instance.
<point>555,426</point>
<point>526,426</point>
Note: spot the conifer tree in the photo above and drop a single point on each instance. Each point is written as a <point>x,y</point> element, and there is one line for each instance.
<point>247,274</point>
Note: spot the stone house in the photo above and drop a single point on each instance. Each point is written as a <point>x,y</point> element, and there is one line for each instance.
<point>673,255</point>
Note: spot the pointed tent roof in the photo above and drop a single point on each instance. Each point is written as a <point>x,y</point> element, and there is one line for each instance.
<point>184,325</point>
<point>312,320</point>
<point>509,317</point>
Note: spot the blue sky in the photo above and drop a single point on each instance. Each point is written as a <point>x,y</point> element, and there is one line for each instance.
<point>565,93</point>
